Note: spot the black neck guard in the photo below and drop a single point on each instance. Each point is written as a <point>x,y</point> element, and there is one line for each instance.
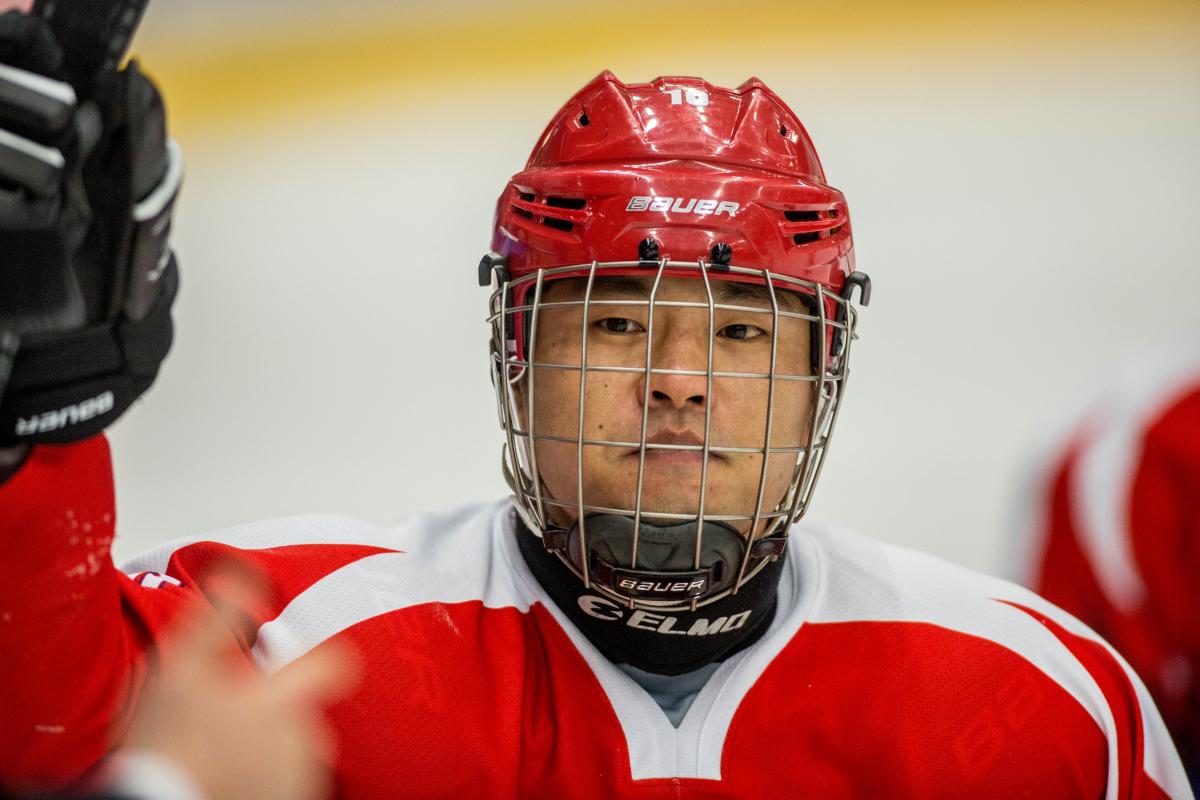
<point>668,643</point>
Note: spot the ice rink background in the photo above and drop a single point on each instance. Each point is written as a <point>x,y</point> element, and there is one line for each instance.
<point>1023,185</point>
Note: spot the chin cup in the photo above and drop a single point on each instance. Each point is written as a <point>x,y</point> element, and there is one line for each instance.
<point>666,556</point>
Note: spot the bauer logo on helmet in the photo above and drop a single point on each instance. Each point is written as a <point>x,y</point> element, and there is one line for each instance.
<point>680,205</point>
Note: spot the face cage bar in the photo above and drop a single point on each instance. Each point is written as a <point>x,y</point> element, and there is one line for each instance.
<point>519,454</point>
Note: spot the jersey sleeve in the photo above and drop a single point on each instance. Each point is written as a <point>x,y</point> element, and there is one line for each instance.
<point>81,639</point>
<point>76,634</point>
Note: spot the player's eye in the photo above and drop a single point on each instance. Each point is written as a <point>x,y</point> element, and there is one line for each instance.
<point>620,325</point>
<point>741,331</point>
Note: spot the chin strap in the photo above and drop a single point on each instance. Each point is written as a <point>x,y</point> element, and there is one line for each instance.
<point>660,641</point>
<point>664,567</point>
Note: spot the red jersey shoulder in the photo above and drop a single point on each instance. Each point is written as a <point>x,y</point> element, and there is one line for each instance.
<point>424,534</point>
<point>994,660</point>
<point>305,558</point>
<point>865,581</point>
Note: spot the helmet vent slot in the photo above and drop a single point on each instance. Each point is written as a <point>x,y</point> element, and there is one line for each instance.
<point>558,224</point>
<point>566,202</point>
<point>550,216</point>
<point>528,198</point>
<point>811,225</point>
<point>573,203</point>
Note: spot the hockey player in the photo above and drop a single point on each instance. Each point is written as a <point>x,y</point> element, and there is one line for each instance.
<point>671,323</point>
<point>1115,521</point>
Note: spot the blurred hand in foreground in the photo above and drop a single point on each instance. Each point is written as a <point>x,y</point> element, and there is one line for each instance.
<point>236,735</point>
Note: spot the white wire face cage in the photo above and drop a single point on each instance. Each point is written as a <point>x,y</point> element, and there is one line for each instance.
<point>561,520</point>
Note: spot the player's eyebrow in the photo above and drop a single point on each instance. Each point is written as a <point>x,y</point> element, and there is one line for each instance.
<point>724,291</point>
<point>618,285</point>
<point>734,292</point>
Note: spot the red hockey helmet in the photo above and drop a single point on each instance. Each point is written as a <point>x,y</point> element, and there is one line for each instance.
<point>683,163</point>
<point>673,178</point>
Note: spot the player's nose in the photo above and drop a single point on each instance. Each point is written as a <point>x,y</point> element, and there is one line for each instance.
<point>683,350</point>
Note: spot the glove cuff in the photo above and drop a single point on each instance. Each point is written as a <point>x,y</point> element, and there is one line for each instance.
<point>76,386</point>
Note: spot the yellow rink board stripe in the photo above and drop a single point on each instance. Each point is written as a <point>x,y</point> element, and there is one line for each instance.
<point>261,74</point>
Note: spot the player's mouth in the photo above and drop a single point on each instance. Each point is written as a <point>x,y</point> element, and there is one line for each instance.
<point>674,447</point>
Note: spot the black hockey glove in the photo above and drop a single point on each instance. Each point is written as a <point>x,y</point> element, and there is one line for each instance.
<point>88,180</point>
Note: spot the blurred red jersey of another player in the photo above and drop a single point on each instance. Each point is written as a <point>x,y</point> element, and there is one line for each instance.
<point>1115,530</point>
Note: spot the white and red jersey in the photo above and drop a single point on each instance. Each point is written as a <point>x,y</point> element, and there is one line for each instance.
<point>885,673</point>
<point>1114,524</point>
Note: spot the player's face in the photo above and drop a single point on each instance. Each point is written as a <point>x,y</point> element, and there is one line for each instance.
<point>675,406</point>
